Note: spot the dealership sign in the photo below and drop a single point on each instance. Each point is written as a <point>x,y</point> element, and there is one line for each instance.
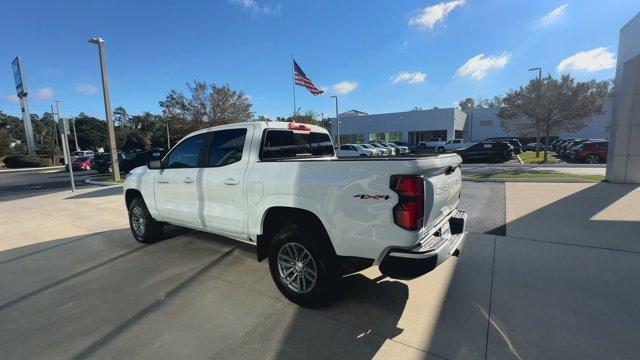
<point>21,84</point>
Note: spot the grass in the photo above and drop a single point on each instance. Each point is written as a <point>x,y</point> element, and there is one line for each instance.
<point>506,175</point>
<point>529,157</point>
<point>108,178</point>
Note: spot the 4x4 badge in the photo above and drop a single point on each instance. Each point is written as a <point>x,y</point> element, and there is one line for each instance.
<point>375,197</point>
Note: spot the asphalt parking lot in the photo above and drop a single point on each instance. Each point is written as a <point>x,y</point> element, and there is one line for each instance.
<point>74,284</point>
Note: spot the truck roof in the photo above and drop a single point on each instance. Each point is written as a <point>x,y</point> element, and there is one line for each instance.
<point>261,124</point>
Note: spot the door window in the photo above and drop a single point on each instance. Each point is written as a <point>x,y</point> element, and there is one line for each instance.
<point>187,153</point>
<point>226,147</point>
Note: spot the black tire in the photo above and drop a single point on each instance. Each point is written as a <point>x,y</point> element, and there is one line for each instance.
<point>592,159</point>
<point>323,290</point>
<point>363,155</point>
<point>151,230</point>
<point>441,149</point>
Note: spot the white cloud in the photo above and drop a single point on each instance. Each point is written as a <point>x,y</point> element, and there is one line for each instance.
<point>86,88</point>
<point>478,66</point>
<point>409,77</point>
<point>589,61</point>
<point>344,87</point>
<point>44,93</point>
<point>428,17</point>
<point>11,98</point>
<point>257,9</point>
<point>553,16</point>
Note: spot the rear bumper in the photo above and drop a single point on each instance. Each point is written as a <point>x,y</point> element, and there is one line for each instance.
<point>409,263</point>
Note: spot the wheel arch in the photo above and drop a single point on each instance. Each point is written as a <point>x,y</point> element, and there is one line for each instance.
<point>276,217</point>
<point>131,194</point>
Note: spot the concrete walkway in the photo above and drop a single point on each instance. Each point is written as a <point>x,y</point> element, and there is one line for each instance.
<point>73,283</point>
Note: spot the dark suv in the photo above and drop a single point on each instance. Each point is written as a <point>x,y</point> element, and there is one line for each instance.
<point>492,151</point>
<point>102,162</point>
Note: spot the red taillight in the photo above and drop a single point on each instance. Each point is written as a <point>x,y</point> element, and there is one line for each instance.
<point>295,126</point>
<point>409,212</point>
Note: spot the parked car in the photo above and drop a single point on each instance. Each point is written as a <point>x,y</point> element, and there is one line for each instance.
<point>102,162</point>
<point>385,150</point>
<point>591,152</point>
<point>434,145</point>
<point>493,151</point>
<point>132,161</point>
<point>378,151</point>
<point>406,144</point>
<point>517,145</point>
<point>532,146</point>
<point>79,163</point>
<point>279,186</point>
<point>354,150</point>
<point>392,150</point>
<point>399,149</point>
<point>562,148</point>
<point>82,153</point>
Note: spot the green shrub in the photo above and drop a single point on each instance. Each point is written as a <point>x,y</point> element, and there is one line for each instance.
<point>26,161</point>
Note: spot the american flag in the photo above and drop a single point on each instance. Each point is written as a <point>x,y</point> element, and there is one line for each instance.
<point>301,79</point>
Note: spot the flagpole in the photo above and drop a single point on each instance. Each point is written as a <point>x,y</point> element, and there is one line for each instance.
<point>293,86</point>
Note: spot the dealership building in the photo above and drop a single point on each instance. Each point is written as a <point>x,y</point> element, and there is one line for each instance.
<point>449,123</point>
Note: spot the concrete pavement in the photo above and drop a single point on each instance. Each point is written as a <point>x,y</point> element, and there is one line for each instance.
<point>74,284</point>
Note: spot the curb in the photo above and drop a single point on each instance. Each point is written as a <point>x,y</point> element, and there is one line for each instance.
<point>32,170</point>
<point>547,180</point>
<point>100,183</point>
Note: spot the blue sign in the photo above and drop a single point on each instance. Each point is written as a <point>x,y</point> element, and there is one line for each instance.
<point>21,86</point>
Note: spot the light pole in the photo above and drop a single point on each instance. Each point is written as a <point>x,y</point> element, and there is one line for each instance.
<point>539,104</point>
<point>337,121</point>
<point>107,108</point>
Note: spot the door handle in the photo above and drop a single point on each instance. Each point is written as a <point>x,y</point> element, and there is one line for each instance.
<point>188,180</point>
<point>232,181</point>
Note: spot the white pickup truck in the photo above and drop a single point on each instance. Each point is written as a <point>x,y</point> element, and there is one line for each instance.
<point>280,187</point>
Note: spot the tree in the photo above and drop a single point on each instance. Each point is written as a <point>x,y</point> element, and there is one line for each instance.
<point>206,105</point>
<point>480,103</point>
<point>5,144</point>
<point>92,132</point>
<point>550,106</point>
<point>13,126</point>
<point>120,116</point>
<point>263,118</point>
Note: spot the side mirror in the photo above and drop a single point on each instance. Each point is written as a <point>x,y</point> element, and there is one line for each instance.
<point>154,164</point>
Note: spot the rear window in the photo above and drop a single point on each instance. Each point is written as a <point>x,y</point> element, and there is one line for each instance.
<point>282,144</point>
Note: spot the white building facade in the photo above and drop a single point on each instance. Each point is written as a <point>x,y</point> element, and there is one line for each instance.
<point>450,123</point>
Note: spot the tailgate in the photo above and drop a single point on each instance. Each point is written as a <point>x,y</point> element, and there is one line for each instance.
<point>442,190</point>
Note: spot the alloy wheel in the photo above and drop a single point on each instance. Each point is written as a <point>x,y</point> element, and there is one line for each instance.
<point>296,267</point>
<point>138,220</point>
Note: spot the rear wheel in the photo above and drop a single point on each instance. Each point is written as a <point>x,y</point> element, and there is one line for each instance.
<point>144,228</point>
<point>302,267</point>
<point>441,149</point>
<point>593,159</point>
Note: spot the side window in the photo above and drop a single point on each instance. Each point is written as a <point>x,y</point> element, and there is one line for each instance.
<point>186,154</point>
<point>477,147</point>
<point>226,147</point>
<point>344,147</point>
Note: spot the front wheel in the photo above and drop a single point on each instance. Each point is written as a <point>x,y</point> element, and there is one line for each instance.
<point>302,268</point>
<point>144,227</point>
<point>441,149</point>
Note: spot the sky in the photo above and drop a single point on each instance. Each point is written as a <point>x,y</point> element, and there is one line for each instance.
<point>377,56</point>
